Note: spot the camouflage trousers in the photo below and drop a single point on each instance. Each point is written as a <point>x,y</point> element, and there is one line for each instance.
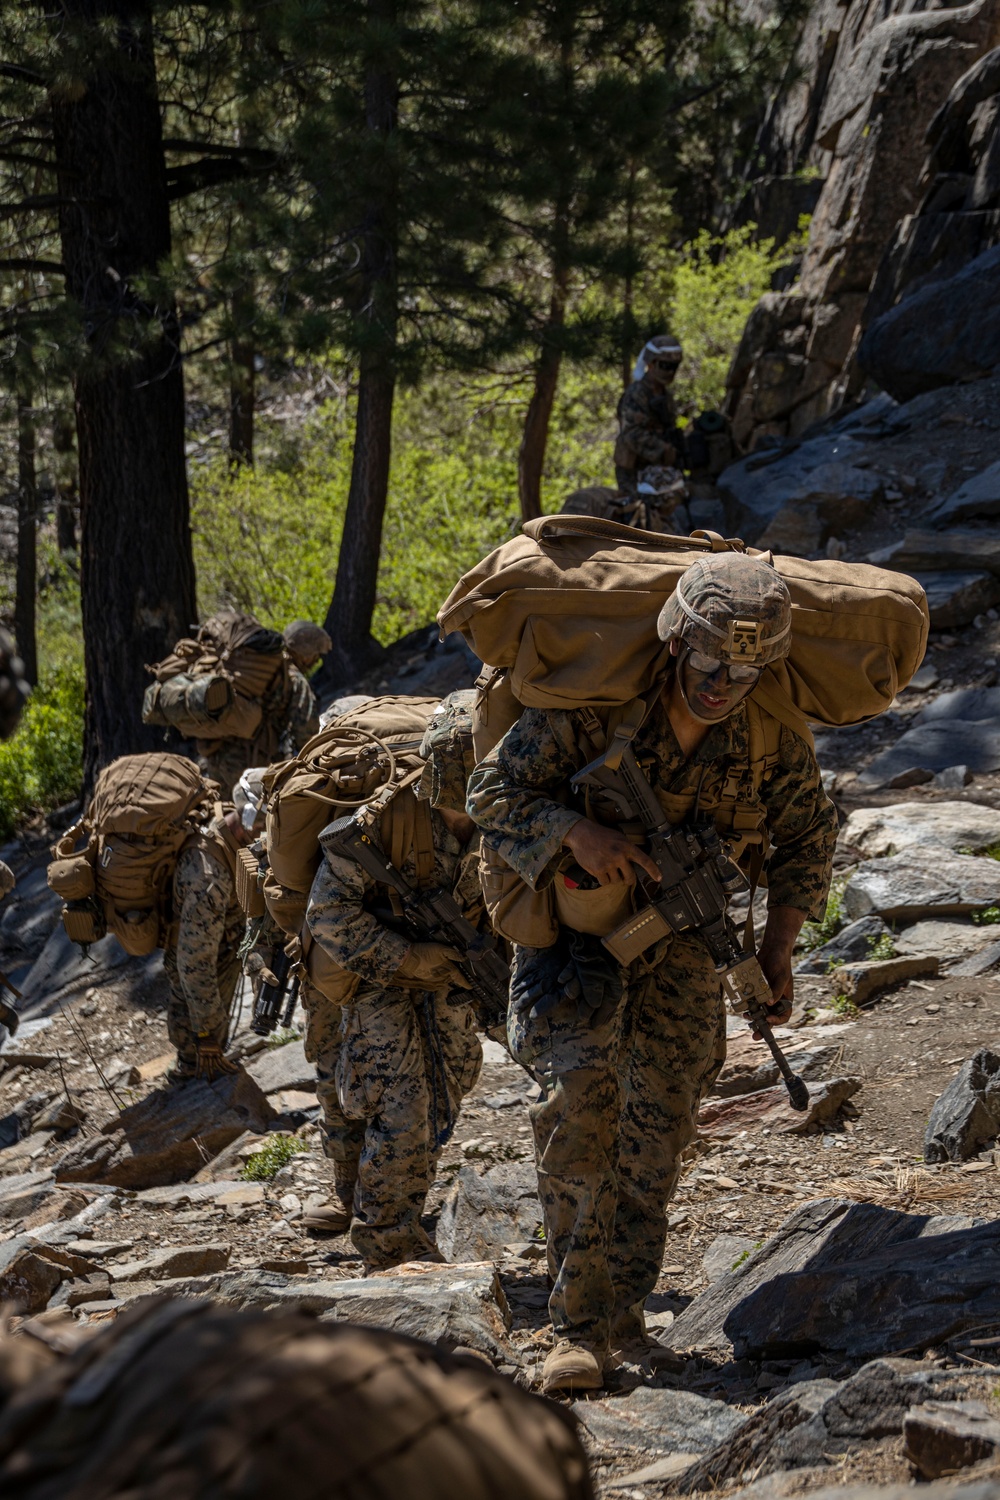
<point>343,1139</point>
<point>180,1030</point>
<point>406,1063</point>
<point>618,1106</point>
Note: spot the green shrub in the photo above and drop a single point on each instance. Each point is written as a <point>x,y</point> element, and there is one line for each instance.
<point>815,934</point>
<point>276,1153</point>
<point>881,947</point>
<point>988,917</point>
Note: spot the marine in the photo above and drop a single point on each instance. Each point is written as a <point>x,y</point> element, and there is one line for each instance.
<point>647,417</point>
<point>624,1056</point>
<point>404,1050</point>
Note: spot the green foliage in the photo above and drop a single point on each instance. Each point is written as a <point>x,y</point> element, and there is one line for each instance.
<point>41,764</point>
<point>282,1038</point>
<point>272,1156</point>
<point>815,934</point>
<point>881,947</point>
<point>992,851</point>
<point>988,917</point>
<point>843,1005</point>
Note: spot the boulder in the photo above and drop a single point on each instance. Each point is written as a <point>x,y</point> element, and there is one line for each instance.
<point>852,944</point>
<point>905,887</point>
<point>966,1116</point>
<point>450,1306</point>
<point>815,1423</point>
<point>749,1066</point>
<point>930,551</point>
<point>979,705</point>
<point>168,1136</point>
<point>23,1193</point>
<point>910,1295</point>
<point>942,1437</point>
<point>829,1232</point>
<point>725,1251</point>
<point>174,1260</point>
<point>286,1067</point>
<point>983,962</point>
<point>659,1421</point>
<point>934,747</point>
<point>955,599</point>
<point>943,333</point>
<point>950,942</point>
<point>966,827</point>
<point>977,497</point>
<point>30,1272</point>
<point>482,1214</point>
<point>859,982</point>
<point>722,1119</point>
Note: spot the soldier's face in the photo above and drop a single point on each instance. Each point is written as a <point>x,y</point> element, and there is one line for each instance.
<point>711,695</point>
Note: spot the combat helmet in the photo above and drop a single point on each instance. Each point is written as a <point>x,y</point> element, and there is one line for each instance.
<point>662,349</point>
<point>447,749</point>
<point>732,607</point>
<point>305,642</point>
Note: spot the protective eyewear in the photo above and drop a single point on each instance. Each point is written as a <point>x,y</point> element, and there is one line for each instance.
<point>707,666</point>
<point>669,366</point>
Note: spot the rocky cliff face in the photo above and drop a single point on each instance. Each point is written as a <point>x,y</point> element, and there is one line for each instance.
<point>871,77</point>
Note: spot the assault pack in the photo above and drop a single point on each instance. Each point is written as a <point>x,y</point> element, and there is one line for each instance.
<point>369,754</point>
<point>564,615</point>
<point>144,811</point>
<point>230,681</point>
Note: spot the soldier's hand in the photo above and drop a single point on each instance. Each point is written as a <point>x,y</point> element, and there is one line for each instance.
<point>775,958</point>
<point>432,965</point>
<point>607,854</point>
<point>212,1063</point>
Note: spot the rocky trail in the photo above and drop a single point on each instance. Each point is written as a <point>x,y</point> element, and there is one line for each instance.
<point>827,1312</point>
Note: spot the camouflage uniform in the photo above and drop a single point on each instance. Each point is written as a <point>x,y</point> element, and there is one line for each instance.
<point>203,966</point>
<point>619,1101</point>
<point>290,719</point>
<point>343,1138</point>
<point>406,1060</point>
<point>647,422</point>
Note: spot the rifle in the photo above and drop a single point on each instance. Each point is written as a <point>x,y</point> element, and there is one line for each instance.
<point>433,915</point>
<point>697,880</point>
<point>273,999</point>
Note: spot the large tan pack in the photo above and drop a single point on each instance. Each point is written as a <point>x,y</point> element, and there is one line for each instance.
<point>565,615</point>
<point>145,808</point>
<point>569,607</point>
<point>223,683</point>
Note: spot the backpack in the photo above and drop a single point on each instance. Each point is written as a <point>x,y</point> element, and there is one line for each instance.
<point>228,682</point>
<point>565,616</point>
<point>144,810</point>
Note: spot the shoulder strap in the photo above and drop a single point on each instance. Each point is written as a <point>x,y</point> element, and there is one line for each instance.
<point>768,697</point>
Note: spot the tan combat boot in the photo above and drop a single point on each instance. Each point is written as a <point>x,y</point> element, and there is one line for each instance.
<point>327,1218</point>
<point>572,1367</point>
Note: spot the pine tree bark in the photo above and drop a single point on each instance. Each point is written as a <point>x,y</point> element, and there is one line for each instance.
<point>26,584</point>
<point>535,437</point>
<point>349,618</point>
<point>136,564</point>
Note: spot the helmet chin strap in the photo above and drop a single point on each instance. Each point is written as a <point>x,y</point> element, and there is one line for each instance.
<point>681,661</point>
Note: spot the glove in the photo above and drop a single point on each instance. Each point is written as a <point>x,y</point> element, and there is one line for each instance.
<point>431,966</point>
<point>534,980</point>
<point>212,1063</point>
<point>592,978</point>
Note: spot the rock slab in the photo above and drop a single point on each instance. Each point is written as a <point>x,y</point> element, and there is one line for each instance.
<point>482,1214</point>
<point>966,1116</point>
<point>659,1421</point>
<point>962,827</point>
<point>942,1437</point>
<point>278,1068</point>
<point>906,887</point>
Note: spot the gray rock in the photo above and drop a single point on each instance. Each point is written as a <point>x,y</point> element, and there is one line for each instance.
<point>173,1261</point>
<point>659,1421</point>
<point>813,485</point>
<point>952,778</point>
<point>978,496</point>
<point>950,941</point>
<point>708,515</point>
<point>723,1253</point>
<point>932,747</point>
<point>22,1193</point>
<point>863,980</point>
<point>966,1116</point>
<point>448,1305</point>
<point>166,1137</point>
<point>942,1437</point>
<point>923,552</point>
<point>283,1068</point>
<point>828,1233</point>
<point>810,1063</point>
<point>940,334</point>
<point>185,1193</point>
<point>853,943</point>
<point>19,1122</point>
<point>815,1423</point>
<point>983,962</point>
<point>965,827</point>
<point>30,1272</point>
<point>969,705</point>
<point>955,599</point>
<point>906,1296</point>
<point>482,1214</point>
<point>905,887</point>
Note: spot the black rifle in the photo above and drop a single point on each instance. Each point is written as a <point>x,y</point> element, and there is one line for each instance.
<point>270,998</point>
<point>697,879</point>
<point>429,916</point>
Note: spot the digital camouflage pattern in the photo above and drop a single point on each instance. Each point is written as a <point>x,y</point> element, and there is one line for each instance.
<point>647,427</point>
<point>343,1139</point>
<point>295,719</point>
<point>402,1068</point>
<point>729,586</point>
<point>511,796</point>
<point>447,750</point>
<point>203,967</point>
<point>619,1101</point>
<point>617,1109</point>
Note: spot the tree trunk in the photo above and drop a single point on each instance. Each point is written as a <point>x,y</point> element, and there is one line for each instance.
<point>349,618</point>
<point>242,381</point>
<point>628,290</point>
<point>534,439</point>
<point>136,565</point>
<point>63,435</point>
<point>27,533</point>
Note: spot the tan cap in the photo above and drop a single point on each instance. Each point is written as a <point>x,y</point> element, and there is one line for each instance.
<point>732,607</point>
